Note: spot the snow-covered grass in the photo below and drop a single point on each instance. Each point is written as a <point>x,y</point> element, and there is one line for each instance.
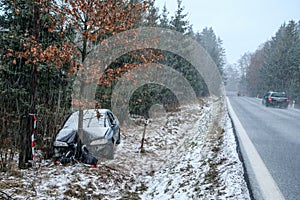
<point>189,154</point>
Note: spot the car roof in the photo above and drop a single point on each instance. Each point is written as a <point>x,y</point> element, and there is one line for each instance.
<point>279,92</point>
<point>87,113</point>
<point>102,110</point>
<point>271,92</point>
<point>91,112</point>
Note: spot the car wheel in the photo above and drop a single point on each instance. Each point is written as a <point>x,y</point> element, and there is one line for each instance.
<point>78,150</point>
<point>118,138</point>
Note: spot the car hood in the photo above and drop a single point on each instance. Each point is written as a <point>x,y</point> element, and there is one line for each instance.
<point>93,133</point>
<point>67,135</point>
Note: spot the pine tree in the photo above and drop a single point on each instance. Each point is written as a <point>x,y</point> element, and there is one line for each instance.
<point>152,15</point>
<point>243,64</point>
<point>28,69</point>
<point>276,63</point>
<point>179,22</point>
<point>164,21</point>
<point>283,58</point>
<point>42,50</point>
<point>213,45</point>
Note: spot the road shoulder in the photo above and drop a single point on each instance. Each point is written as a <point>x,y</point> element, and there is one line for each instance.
<point>262,179</point>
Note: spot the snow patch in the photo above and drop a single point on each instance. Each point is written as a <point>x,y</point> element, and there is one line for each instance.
<point>190,154</point>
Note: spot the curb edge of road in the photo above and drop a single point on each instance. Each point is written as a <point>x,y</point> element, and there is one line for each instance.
<point>267,186</point>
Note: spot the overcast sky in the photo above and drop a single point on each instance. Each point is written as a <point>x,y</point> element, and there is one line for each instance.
<point>242,24</point>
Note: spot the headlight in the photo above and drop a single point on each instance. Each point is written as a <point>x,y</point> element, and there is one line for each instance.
<point>60,144</point>
<point>99,142</point>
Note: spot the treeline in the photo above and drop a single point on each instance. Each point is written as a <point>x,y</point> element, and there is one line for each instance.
<point>148,95</point>
<point>42,46</point>
<point>275,66</point>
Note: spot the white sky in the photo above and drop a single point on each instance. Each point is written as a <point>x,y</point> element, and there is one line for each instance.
<point>243,25</point>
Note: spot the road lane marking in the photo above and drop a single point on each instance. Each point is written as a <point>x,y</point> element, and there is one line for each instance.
<point>267,185</point>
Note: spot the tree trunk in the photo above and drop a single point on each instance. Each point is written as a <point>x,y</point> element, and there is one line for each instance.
<point>25,140</point>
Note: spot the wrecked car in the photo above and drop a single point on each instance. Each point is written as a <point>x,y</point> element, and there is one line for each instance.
<point>100,132</point>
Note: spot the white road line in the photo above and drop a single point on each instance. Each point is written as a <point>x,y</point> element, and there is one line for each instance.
<point>267,185</point>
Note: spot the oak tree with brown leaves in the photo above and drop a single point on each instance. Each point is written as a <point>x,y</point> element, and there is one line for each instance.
<point>71,29</point>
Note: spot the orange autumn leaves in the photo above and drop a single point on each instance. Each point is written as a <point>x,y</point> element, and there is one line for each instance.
<point>33,53</point>
<point>93,19</point>
<point>96,18</point>
<point>90,22</point>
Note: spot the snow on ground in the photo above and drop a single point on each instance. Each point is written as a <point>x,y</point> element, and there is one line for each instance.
<point>189,154</point>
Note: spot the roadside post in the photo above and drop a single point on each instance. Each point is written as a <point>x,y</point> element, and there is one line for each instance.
<point>293,104</point>
<point>34,119</point>
<point>146,122</point>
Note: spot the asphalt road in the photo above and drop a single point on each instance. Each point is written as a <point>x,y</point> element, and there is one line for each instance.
<point>275,134</point>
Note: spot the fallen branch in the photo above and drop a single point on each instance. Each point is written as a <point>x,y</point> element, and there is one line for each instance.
<point>4,195</point>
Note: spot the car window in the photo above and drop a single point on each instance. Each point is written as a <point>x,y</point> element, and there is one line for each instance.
<point>94,121</point>
<point>91,122</point>
<point>111,117</point>
<point>278,95</point>
<point>103,121</point>
<point>267,95</point>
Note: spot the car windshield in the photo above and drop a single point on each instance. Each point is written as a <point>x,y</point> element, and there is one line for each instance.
<point>93,121</point>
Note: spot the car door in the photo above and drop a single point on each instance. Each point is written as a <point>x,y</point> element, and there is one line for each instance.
<point>114,125</point>
<point>110,119</point>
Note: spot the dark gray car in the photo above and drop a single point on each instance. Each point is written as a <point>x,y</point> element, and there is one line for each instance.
<point>276,99</point>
